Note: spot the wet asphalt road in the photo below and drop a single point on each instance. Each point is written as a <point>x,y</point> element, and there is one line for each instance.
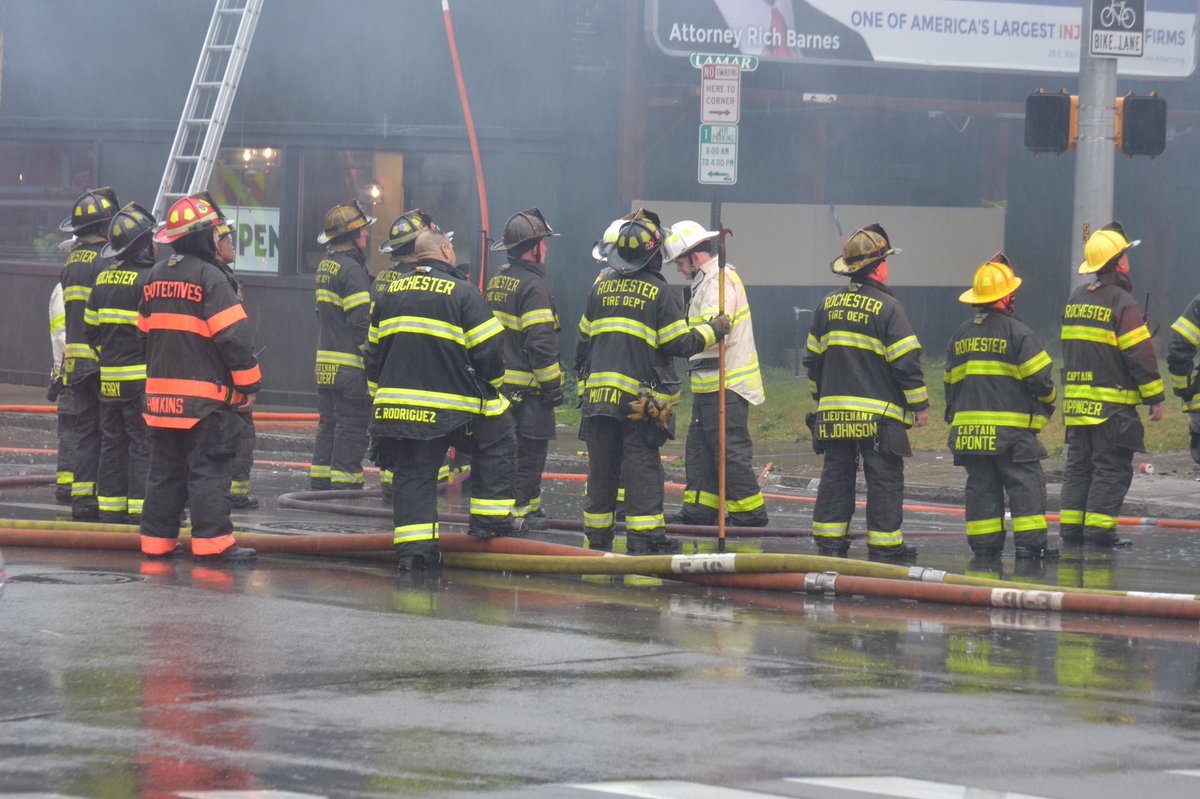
<point>337,678</point>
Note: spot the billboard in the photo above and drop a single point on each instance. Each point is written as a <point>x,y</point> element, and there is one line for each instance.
<point>998,35</point>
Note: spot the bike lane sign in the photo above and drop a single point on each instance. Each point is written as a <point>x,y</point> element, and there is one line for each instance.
<point>1118,28</point>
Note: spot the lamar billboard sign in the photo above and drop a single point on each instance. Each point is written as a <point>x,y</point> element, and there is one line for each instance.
<point>998,35</point>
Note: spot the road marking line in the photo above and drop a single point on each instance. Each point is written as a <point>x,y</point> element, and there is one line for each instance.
<point>904,788</point>
<point>1193,773</point>
<point>247,795</point>
<point>670,789</point>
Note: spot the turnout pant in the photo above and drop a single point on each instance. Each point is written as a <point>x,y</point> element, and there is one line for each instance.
<point>835,495</point>
<point>622,452</point>
<point>243,459</point>
<point>743,498</point>
<point>1096,476</point>
<point>85,399</point>
<point>191,467</point>
<point>989,477</point>
<point>345,412</point>
<point>121,482</point>
<point>64,469</point>
<point>490,441</point>
<point>535,429</point>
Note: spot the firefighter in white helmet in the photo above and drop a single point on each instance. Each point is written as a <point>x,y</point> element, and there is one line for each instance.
<point>691,246</point>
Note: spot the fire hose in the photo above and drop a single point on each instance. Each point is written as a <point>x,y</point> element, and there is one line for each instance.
<point>789,573</point>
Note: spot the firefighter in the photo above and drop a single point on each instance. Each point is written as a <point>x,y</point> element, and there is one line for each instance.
<point>690,246</point>
<point>81,366</point>
<point>520,298</point>
<point>200,373</point>
<point>343,314</point>
<point>65,418</point>
<point>240,497</point>
<point>999,394</point>
<point>435,353</point>
<point>1110,369</point>
<point>111,317</point>
<point>399,245</point>
<point>1181,363</point>
<point>864,370</point>
<point>632,327</point>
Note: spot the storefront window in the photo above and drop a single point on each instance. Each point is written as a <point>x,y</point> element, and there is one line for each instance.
<point>386,185</point>
<point>39,182</point>
<point>247,182</point>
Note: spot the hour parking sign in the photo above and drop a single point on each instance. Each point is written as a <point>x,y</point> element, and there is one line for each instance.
<point>717,163</point>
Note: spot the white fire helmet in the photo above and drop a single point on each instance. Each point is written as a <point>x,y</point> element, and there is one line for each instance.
<point>685,236</point>
<point>602,248</point>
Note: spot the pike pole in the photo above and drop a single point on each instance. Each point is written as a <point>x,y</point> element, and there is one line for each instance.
<point>722,232</point>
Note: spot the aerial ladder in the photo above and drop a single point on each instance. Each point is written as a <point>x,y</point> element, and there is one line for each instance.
<point>206,110</point>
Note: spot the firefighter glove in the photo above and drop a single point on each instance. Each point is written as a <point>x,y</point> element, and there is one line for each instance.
<point>55,386</point>
<point>721,326</point>
<point>551,398</point>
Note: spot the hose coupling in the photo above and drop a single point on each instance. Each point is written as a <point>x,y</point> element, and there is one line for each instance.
<point>923,575</point>
<point>820,582</point>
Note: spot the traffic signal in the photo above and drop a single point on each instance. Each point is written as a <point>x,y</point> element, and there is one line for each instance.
<point>1051,121</point>
<point>1142,124</point>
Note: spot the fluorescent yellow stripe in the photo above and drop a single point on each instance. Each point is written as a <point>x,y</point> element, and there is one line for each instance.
<point>814,344</point>
<point>902,347</point>
<point>752,502</point>
<point>548,373</point>
<point>985,526</point>
<point>830,529</point>
<point>1184,327</point>
<point>598,521</point>
<point>123,373</point>
<point>339,358</point>
<point>437,399</point>
<point>841,338</point>
<point>482,332</point>
<point>114,316</point>
<point>422,326</point>
<point>643,523</point>
<point>331,297</point>
<point>888,409</point>
<point>492,507</point>
<point>77,293</point>
<point>541,316</point>
<point>515,377</point>
<point>1151,389</point>
<point>352,301</point>
<point>879,538</point>
<point>630,327</point>
<point>1035,364</point>
<point>916,395</point>
<point>1133,337</point>
<point>1117,396</point>
<point>1023,524</point>
<point>58,322</point>
<point>1101,520</point>
<point>1085,333</point>
<point>1026,421</point>
<point>408,533</point>
<point>613,380</point>
<point>982,368</point>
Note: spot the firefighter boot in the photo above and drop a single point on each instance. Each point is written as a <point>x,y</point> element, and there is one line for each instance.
<point>835,548</point>
<point>600,540</point>
<point>1037,553</point>
<point>895,554</point>
<point>657,543</point>
<point>232,555</point>
<point>243,502</point>
<point>418,556</point>
<point>511,527</point>
<point>537,520</point>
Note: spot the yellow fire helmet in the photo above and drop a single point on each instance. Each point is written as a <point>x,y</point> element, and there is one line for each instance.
<point>1104,247</point>
<point>865,248</point>
<point>994,280</point>
<point>341,219</point>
